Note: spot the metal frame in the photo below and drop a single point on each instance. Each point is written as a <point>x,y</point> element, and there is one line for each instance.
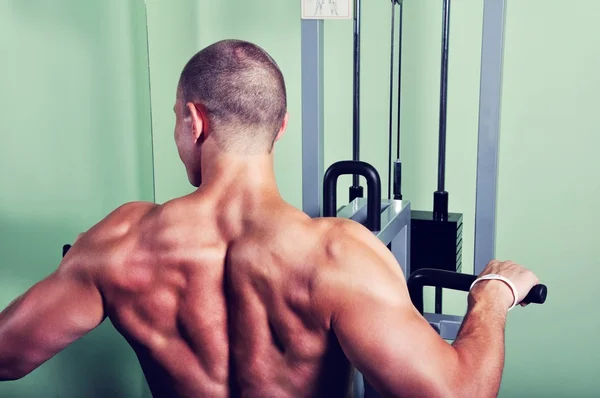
<point>492,48</point>
<point>312,117</point>
<point>490,91</point>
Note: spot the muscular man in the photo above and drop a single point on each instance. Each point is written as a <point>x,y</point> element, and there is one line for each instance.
<point>231,291</point>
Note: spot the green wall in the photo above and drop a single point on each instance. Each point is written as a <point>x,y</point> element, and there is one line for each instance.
<point>74,144</point>
<point>548,190</point>
<point>172,40</point>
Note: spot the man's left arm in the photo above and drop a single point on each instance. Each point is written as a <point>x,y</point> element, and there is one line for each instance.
<point>49,316</point>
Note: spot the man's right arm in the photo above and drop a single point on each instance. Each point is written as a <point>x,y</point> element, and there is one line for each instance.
<point>390,343</point>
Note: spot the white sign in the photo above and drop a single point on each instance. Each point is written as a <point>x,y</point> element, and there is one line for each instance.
<point>326,9</point>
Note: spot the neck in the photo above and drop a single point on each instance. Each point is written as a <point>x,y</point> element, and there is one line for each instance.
<point>233,175</point>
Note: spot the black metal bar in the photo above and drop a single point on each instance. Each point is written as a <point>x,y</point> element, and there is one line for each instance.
<point>440,206</point>
<point>443,96</point>
<point>364,169</point>
<point>391,122</point>
<point>400,2</point>
<point>398,162</point>
<point>356,92</point>
<point>398,180</point>
<point>438,299</point>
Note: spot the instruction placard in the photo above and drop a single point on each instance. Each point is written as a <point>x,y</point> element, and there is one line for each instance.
<point>326,9</point>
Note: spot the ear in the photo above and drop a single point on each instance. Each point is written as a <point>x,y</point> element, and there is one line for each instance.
<point>198,121</point>
<point>283,127</point>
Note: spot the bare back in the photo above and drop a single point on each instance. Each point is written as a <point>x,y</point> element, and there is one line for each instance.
<point>222,302</point>
<point>216,302</point>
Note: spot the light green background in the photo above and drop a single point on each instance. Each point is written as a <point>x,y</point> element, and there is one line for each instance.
<point>77,139</point>
<point>74,144</point>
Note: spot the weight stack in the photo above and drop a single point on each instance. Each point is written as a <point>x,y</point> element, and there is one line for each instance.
<point>434,243</point>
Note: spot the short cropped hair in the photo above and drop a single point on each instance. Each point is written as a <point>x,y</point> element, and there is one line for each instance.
<point>242,92</point>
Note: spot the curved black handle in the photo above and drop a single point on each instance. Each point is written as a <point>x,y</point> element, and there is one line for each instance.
<point>456,281</point>
<point>373,189</point>
<point>66,249</point>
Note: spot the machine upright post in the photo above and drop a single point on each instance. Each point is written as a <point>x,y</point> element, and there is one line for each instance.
<point>312,117</point>
<point>492,49</point>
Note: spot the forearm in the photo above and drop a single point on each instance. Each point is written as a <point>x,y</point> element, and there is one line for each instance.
<point>480,346</point>
<point>10,369</point>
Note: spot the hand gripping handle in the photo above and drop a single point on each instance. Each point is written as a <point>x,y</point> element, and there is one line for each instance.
<point>457,281</point>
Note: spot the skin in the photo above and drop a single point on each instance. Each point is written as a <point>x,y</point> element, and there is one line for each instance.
<point>231,291</point>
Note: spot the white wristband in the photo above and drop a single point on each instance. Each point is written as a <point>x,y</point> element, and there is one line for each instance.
<point>503,279</point>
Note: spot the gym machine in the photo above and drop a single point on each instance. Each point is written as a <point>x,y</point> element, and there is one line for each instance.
<point>392,220</point>
<point>388,219</point>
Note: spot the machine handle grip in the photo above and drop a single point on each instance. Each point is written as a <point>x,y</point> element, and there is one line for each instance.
<point>456,281</point>
<point>354,167</point>
<point>537,295</point>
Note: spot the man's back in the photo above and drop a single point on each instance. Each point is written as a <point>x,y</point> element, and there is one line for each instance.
<point>217,301</point>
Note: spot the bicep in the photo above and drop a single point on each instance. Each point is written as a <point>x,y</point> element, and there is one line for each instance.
<point>394,347</point>
<point>381,332</point>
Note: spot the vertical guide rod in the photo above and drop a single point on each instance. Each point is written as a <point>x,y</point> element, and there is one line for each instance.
<point>390,143</point>
<point>356,108</point>
<point>398,162</point>
<point>443,97</point>
<point>440,197</point>
<point>440,200</point>
<point>400,2</point>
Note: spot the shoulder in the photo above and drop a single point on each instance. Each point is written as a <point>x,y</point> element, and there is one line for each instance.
<point>343,238</point>
<point>124,215</point>
<point>132,209</point>
<point>104,239</point>
<point>354,263</point>
<point>339,227</point>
